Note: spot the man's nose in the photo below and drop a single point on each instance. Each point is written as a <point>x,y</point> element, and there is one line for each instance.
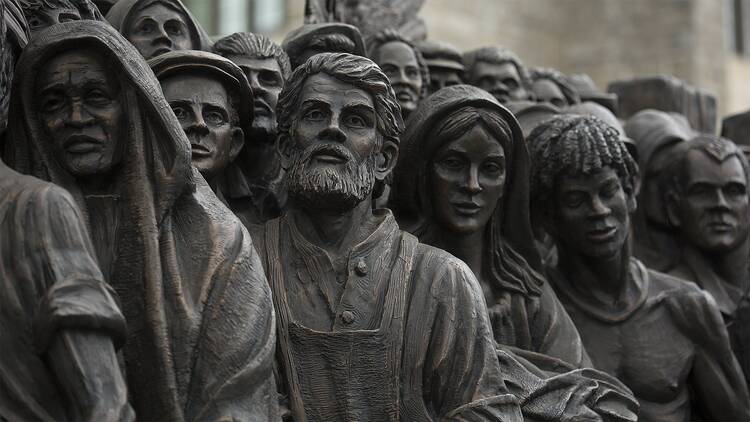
<point>598,207</point>
<point>720,202</point>
<point>333,132</point>
<point>79,117</point>
<point>198,125</point>
<point>162,37</point>
<point>471,180</point>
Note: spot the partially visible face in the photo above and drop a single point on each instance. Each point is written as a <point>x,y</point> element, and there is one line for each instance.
<point>467,181</point>
<point>713,210</point>
<point>334,145</point>
<point>441,77</point>
<point>45,17</point>
<point>266,81</point>
<point>591,215</point>
<point>546,91</point>
<point>158,29</point>
<point>203,108</point>
<point>80,110</point>
<point>398,62</point>
<point>500,80</point>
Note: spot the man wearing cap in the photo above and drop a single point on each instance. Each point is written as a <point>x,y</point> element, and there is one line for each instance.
<point>212,101</point>
<point>311,39</point>
<point>444,63</point>
<point>498,71</point>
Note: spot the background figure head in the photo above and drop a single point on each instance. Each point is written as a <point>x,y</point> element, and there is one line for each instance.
<point>444,63</point>
<point>315,38</point>
<point>583,185</point>
<point>41,14</point>
<point>403,64</point>
<point>707,198</point>
<point>552,86</point>
<point>339,128</point>
<point>212,100</point>
<point>463,172</point>
<point>14,35</point>
<point>155,27</point>
<point>266,67</point>
<point>498,71</point>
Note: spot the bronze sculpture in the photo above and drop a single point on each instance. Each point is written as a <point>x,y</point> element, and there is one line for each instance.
<point>315,38</point>
<point>461,185</point>
<point>41,14</point>
<point>404,65</point>
<point>390,329</point>
<point>498,71</point>
<point>370,16</point>
<point>709,208</point>
<point>155,27</point>
<point>213,102</point>
<point>444,62</point>
<point>588,91</point>
<point>88,115</point>
<point>552,86</point>
<point>254,187</point>
<point>735,127</point>
<point>61,323</point>
<point>662,337</point>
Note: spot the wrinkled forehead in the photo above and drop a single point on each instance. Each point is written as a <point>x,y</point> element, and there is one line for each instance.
<point>196,86</point>
<point>701,166</point>
<point>73,67</point>
<point>396,52</point>
<point>500,70</point>
<point>326,89</point>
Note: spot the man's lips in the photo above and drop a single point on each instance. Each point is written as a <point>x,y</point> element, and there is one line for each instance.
<point>602,234</point>
<point>199,151</point>
<point>466,208</point>
<point>261,108</point>
<point>721,226</point>
<point>82,144</point>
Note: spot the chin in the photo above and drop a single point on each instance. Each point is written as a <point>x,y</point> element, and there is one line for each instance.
<point>463,226</point>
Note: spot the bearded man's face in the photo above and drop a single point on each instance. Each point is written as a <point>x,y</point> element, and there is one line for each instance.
<point>334,145</point>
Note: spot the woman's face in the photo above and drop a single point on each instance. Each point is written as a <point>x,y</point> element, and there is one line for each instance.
<point>467,181</point>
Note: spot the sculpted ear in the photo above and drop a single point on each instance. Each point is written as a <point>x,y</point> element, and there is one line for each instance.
<point>238,141</point>
<point>633,194</point>
<point>386,159</point>
<point>673,209</point>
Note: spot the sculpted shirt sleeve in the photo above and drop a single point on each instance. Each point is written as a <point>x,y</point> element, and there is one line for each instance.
<point>721,392</point>
<point>448,339</point>
<point>233,378</point>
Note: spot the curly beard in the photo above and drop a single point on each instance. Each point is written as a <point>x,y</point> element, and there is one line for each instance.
<point>330,187</point>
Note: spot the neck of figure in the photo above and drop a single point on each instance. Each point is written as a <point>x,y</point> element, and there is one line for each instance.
<point>336,231</point>
<point>97,185</point>
<point>732,266</point>
<point>604,279</point>
<point>468,247</point>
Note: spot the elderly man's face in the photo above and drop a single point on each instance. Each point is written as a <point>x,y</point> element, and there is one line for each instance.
<point>501,80</point>
<point>334,144</point>
<point>159,29</point>
<point>266,81</point>
<point>441,77</point>
<point>547,91</point>
<point>81,112</point>
<point>713,209</point>
<point>204,110</point>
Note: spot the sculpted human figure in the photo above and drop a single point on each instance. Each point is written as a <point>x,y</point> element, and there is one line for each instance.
<point>89,116</point>
<point>315,38</point>
<point>737,129</point>
<point>709,209</point>
<point>156,27</point>
<point>498,71</point>
<point>61,323</point>
<point>372,324</point>
<point>213,102</point>
<point>254,187</point>
<point>462,185</point>
<point>444,63</point>
<point>403,64</point>
<point>41,14</point>
<point>661,336</point>
<point>552,86</point>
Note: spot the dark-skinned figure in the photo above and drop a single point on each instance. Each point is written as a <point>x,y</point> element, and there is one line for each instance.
<point>461,185</point>
<point>403,64</point>
<point>498,71</point>
<point>61,322</point>
<point>709,210</point>
<point>41,14</point>
<point>89,116</point>
<point>444,63</point>
<point>314,38</point>
<point>553,87</point>
<point>213,102</point>
<point>156,27</point>
<point>372,324</point>
<point>661,336</point>
<point>253,185</point>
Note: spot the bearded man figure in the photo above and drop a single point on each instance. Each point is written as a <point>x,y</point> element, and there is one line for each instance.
<point>373,325</point>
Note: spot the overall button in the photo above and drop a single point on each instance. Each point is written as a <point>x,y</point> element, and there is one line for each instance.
<point>361,267</point>
<point>347,317</point>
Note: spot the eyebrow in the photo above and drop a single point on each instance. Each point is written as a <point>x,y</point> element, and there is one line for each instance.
<point>356,106</point>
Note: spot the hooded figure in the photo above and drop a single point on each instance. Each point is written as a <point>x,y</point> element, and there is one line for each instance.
<point>199,313</point>
<point>124,15</point>
<point>525,312</point>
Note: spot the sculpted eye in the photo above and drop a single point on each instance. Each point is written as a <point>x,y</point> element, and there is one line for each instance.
<point>735,189</point>
<point>412,72</point>
<point>355,121</point>
<point>173,28</point>
<point>35,22</point>
<point>573,200</point>
<point>52,102</point>
<point>147,28</point>
<point>215,118</point>
<point>269,78</point>
<point>452,163</point>
<point>98,97</point>
<point>493,168</point>
<point>314,115</point>
<point>180,112</point>
<point>510,83</point>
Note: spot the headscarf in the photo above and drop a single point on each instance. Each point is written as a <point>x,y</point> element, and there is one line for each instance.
<point>411,200</point>
<point>198,309</point>
<point>119,17</point>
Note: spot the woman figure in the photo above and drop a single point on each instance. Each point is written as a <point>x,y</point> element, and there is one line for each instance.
<point>462,185</point>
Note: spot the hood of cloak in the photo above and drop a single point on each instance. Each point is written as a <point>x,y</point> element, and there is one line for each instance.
<point>410,196</point>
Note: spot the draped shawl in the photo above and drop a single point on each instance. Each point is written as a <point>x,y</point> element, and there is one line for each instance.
<point>198,308</point>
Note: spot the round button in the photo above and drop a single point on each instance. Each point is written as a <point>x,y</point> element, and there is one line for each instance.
<point>361,267</point>
<point>347,317</point>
